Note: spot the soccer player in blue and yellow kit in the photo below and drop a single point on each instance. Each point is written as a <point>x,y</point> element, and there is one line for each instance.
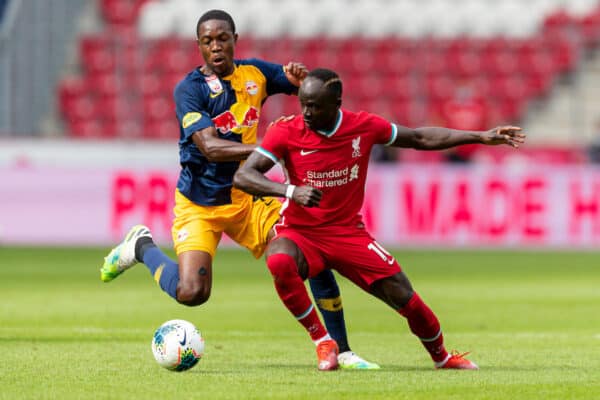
<point>218,108</point>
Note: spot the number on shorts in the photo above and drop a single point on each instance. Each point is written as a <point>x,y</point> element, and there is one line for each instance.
<point>381,252</point>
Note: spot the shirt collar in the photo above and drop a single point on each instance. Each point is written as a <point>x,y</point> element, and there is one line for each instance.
<point>332,132</point>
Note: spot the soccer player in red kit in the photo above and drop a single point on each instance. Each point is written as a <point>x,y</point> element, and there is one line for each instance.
<point>326,152</point>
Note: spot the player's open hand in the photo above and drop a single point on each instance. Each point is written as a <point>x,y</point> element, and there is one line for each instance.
<point>307,196</point>
<point>510,135</point>
<point>283,118</point>
<point>295,72</point>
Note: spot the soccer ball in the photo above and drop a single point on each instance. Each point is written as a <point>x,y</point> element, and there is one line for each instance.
<point>177,345</point>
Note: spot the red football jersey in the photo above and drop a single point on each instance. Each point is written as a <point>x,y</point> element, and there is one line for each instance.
<point>334,162</point>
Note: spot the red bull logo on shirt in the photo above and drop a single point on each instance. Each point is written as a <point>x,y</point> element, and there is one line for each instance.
<point>239,116</point>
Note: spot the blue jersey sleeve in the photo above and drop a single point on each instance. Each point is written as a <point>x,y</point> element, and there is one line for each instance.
<point>191,113</point>
<point>277,82</point>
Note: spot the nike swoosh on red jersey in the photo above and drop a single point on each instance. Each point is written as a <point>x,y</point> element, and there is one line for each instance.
<point>307,152</point>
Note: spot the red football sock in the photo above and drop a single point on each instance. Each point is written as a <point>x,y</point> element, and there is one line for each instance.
<point>425,325</point>
<point>293,293</point>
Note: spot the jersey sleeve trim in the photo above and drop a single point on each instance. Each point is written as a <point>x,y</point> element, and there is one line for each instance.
<point>267,154</point>
<point>394,135</point>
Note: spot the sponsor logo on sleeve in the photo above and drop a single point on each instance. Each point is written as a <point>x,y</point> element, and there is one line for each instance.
<point>190,118</point>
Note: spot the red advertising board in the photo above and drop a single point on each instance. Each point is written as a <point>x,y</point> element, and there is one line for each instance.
<point>406,205</point>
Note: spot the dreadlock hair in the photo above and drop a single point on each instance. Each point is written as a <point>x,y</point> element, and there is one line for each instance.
<point>331,80</point>
<point>215,14</point>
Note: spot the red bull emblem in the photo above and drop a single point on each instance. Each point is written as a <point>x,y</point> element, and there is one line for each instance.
<point>214,84</point>
<point>237,117</point>
<point>251,87</point>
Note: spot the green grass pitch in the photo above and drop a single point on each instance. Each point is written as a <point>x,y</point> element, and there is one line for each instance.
<point>531,321</point>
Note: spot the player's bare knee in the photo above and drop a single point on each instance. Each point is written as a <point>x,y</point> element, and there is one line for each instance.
<point>395,290</point>
<point>402,297</point>
<point>193,295</point>
<point>401,289</point>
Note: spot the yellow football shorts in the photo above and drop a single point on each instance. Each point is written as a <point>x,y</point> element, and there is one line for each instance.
<point>246,221</point>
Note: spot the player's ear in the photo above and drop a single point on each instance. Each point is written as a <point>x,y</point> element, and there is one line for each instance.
<point>235,38</point>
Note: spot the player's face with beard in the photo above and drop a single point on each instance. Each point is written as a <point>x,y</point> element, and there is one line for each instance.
<point>319,105</point>
<point>216,42</point>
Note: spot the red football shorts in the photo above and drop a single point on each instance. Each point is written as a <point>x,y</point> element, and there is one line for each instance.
<point>351,251</point>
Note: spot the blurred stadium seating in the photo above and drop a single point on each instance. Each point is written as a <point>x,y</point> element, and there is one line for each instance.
<point>460,63</point>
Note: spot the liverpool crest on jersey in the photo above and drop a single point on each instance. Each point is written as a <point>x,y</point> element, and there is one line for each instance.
<point>356,147</point>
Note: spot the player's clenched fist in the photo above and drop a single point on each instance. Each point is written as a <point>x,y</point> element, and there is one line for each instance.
<point>295,72</point>
<point>307,196</point>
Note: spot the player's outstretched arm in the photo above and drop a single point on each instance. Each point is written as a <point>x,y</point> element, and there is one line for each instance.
<point>216,149</point>
<point>437,138</point>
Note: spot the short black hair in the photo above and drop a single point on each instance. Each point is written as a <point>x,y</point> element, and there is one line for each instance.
<point>215,14</point>
<point>331,80</point>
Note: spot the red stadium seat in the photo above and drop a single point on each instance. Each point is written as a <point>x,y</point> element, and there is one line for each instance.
<point>165,129</point>
<point>567,51</point>
<point>69,90</point>
<point>500,61</point>
<point>431,62</point>
<point>539,83</point>
<point>101,60</point>
<point>440,87</point>
<point>169,81</point>
<point>411,112</point>
<point>465,111</point>
<point>92,129</point>
<point>396,61</point>
<point>118,108</point>
<point>93,43</point>
<point>104,84</point>
<point>282,50</point>
<point>481,84</point>
<point>536,57</point>
<point>129,128</point>
<point>382,106</point>
<point>464,63</point>
<point>82,108</point>
<point>362,60</point>
<point>558,21</point>
<point>106,108</point>
<point>589,26</point>
<point>402,86</point>
<point>149,84</point>
<point>158,108</point>
<point>178,61</point>
<point>130,60</point>
<point>121,12</point>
